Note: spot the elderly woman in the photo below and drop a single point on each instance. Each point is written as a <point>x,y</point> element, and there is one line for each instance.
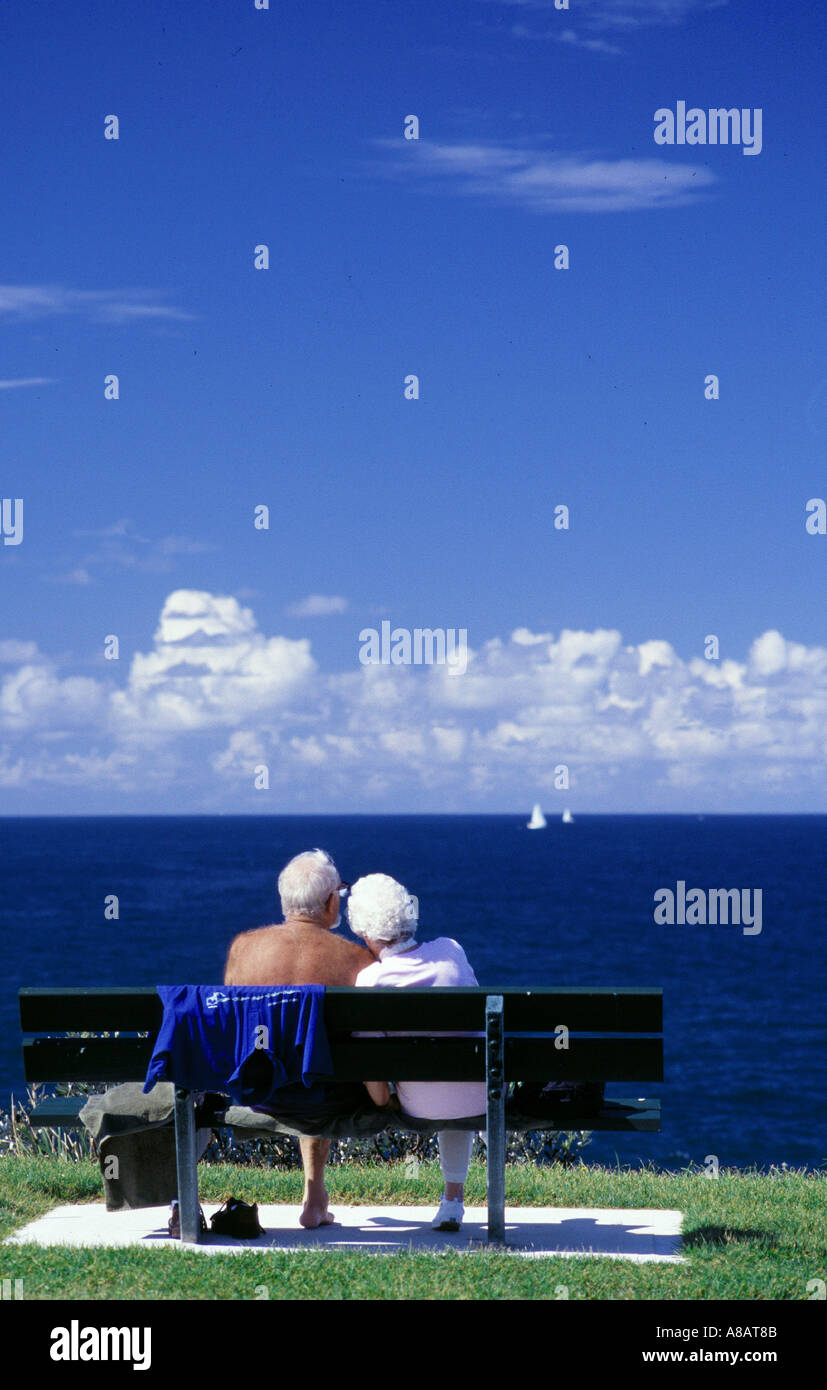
<point>385,915</point>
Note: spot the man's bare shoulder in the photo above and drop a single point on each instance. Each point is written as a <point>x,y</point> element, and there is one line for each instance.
<point>249,944</point>
<point>334,960</point>
<point>292,955</point>
<point>352,948</point>
<point>258,931</point>
<point>257,935</point>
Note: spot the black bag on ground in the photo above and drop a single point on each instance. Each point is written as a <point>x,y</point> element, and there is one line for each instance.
<point>552,1098</point>
<point>237,1218</point>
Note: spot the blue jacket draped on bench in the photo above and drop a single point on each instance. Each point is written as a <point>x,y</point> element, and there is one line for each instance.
<point>254,1044</point>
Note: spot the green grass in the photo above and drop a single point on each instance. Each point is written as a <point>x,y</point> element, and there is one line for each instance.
<point>747,1235</point>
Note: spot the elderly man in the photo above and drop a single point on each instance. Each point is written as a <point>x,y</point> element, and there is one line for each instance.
<point>303,951</point>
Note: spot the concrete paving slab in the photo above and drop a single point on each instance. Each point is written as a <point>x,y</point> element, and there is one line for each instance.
<point>534,1232</point>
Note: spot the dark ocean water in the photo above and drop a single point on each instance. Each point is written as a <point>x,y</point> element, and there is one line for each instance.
<point>744,1016</point>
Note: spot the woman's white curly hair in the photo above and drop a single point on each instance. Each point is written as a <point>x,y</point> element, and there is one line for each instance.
<point>380,909</point>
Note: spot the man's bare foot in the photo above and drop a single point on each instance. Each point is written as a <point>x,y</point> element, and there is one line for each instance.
<point>313,1215</point>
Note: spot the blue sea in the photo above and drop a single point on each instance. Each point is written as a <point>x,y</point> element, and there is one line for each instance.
<point>744,1015</point>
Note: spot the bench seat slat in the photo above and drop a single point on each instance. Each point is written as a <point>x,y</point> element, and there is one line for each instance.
<point>58,1112</point>
<point>62,1112</point>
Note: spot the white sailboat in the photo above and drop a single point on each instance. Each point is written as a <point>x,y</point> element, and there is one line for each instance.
<point>538,820</point>
<point>568,818</point>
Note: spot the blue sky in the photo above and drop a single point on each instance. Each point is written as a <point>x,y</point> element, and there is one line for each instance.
<point>238,647</point>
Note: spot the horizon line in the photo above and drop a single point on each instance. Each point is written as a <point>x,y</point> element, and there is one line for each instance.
<point>355,815</point>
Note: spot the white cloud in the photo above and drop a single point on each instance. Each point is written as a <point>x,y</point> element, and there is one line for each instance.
<point>121,547</point>
<point>190,613</point>
<point>616,14</point>
<point>34,697</point>
<point>118,528</point>
<point>11,774</point>
<point>309,750</point>
<point>210,666</point>
<point>450,742</point>
<point>570,37</point>
<point>546,182</point>
<point>183,545</point>
<point>245,750</point>
<point>80,575</point>
<point>102,306</point>
<point>403,743</point>
<point>15,653</point>
<point>343,746</point>
<point>318,606</point>
<point>654,654</point>
<point>214,696</point>
<point>119,768</point>
<point>12,385</point>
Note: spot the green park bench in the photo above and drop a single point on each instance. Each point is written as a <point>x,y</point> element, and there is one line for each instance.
<point>107,1036</point>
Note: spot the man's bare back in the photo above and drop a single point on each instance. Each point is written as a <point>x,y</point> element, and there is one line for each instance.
<point>294,954</point>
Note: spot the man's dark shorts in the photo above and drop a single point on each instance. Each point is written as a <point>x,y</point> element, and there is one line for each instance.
<point>347,1111</point>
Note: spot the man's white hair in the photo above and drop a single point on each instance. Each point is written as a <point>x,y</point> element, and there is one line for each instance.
<point>306,883</point>
<point>381,909</point>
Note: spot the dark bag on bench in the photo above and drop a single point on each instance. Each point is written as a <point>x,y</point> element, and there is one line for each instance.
<point>544,1099</point>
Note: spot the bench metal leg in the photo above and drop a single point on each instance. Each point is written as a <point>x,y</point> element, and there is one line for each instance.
<point>186,1161</point>
<point>495,1083</point>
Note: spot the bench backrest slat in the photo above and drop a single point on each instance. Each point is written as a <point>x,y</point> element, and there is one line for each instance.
<point>90,1010</point>
<point>589,1010</point>
<point>585,1010</point>
<point>369,1059</point>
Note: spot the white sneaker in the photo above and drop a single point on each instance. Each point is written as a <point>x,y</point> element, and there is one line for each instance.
<point>450,1214</point>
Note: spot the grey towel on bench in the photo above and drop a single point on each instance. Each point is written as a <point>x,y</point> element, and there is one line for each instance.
<point>137,1132</point>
